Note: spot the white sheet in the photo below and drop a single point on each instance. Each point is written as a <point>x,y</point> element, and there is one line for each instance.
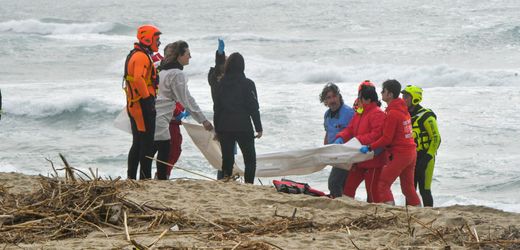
<point>295,162</point>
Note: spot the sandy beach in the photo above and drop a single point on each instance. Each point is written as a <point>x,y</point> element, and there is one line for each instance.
<point>193,214</point>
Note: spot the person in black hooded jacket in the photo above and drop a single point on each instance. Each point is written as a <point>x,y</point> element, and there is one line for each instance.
<point>235,105</point>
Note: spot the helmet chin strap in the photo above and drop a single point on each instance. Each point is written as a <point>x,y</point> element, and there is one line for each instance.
<point>145,48</point>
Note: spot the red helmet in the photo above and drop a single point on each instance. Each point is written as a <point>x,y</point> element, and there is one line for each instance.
<point>365,83</point>
<point>148,36</point>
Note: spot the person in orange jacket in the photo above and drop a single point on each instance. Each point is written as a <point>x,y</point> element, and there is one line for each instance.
<point>398,139</point>
<point>140,84</point>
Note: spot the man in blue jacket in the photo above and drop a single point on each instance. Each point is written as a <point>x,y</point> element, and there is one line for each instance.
<point>336,118</point>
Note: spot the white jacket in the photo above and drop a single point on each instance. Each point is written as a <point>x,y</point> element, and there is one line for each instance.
<point>173,87</point>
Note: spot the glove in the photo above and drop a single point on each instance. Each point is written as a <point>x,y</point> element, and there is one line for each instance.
<point>365,149</point>
<point>339,140</point>
<point>220,49</point>
<point>182,115</point>
<point>378,151</point>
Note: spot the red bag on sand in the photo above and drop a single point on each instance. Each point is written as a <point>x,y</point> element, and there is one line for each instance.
<point>292,187</point>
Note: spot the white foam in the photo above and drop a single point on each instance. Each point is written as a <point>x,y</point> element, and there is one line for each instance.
<point>426,75</point>
<point>33,26</point>
<point>90,97</point>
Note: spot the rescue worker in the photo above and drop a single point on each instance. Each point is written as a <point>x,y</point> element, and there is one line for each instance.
<point>427,139</point>
<point>179,113</point>
<point>398,140</point>
<point>173,88</point>
<point>336,118</point>
<point>355,106</point>
<point>140,84</point>
<point>366,127</point>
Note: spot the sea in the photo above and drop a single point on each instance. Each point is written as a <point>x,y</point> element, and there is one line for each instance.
<point>61,66</point>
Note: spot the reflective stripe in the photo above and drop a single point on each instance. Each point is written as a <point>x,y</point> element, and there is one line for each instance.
<point>131,79</point>
<point>128,79</point>
<point>420,135</point>
<point>132,100</point>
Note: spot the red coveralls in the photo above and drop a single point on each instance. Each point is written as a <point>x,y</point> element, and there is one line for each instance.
<point>175,138</point>
<point>367,127</point>
<point>397,137</point>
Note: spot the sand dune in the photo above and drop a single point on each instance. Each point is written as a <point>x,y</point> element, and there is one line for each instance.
<point>215,215</point>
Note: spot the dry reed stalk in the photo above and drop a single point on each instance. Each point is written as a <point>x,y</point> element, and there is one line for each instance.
<point>210,222</point>
<point>183,169</point>
<point>434,231</point>
<point>159,238</point>
<point>68,169</point>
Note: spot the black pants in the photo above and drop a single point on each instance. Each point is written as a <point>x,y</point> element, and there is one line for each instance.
<point>421,178</point>
<point>163,147</point>
<point>246,142</point>
<point>220,174</point>
<point>142,146</point>
<point>336,181</point>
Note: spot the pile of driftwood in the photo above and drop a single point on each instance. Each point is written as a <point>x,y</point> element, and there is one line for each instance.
<point>74,206</point>
<point>79,203</point>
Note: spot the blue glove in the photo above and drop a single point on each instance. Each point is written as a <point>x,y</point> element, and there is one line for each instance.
<point>364,149</point>
<point>338,141</point>
<point>182,115</point>
<point>220,49</point>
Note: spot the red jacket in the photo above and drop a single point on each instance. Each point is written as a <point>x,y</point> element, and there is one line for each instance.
<point>367,127</point>
<point>397,131</point>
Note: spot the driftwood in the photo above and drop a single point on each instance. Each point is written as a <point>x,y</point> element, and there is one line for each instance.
<point>77,204</point>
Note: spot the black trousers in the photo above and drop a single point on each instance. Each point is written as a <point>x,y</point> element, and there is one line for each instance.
<point>163,147</point>
<point>246,142</point>
<point>337,179</point>
<point>142,146</point>
<point>420,178</point>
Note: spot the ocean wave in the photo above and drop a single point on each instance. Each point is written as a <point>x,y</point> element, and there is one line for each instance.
<point>450,200</point>
<point>502,35</point>
<point>53,26</point>
<point>508,184</point>
<point>245,37</point>
<point>423,75</point>
<point>276,71</point>
<point>75,107</point>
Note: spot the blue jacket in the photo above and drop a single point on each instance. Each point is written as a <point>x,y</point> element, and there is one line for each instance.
<point>334,125</point>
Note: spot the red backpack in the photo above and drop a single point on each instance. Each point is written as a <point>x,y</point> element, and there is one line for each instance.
<point>292,187</point>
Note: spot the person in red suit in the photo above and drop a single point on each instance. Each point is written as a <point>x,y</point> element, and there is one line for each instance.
<point>366,127</point>
<point>398,139</point>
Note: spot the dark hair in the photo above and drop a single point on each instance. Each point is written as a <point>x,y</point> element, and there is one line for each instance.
<point>330,87</point>
<point>172,51</point>
<point>393,86</point>
<point>369,93</point>
<point>234,64</point>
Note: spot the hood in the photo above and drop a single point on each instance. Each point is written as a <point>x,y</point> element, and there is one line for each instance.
<point>232,78</point>
<point>397,104</point>
<point>370,106</point>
